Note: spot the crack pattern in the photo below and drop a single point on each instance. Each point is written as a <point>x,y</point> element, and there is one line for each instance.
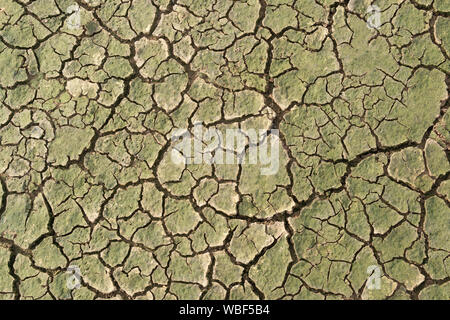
<point>91,92</point>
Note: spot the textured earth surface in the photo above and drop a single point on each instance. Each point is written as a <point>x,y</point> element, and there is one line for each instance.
<point>92,207</point>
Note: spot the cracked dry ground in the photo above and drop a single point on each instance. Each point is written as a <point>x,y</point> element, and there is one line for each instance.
<point>86,117</point>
